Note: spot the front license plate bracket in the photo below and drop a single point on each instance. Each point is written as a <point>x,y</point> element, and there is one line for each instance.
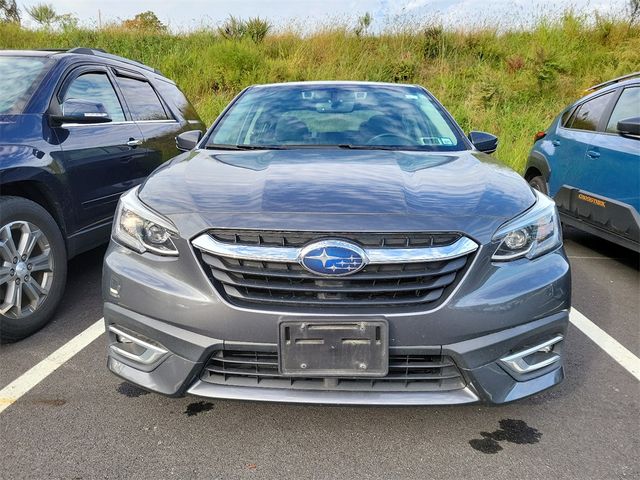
<point>334,349</point>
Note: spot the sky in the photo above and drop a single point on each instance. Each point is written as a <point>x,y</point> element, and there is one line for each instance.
<point>184,15</point>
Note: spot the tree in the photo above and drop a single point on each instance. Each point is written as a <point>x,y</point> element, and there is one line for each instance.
<point>145,21</point>
<point>43,13</point>
<point>364,22</point>
<point>67,21</point>
<point>9,12</point>
<point>633,8</point>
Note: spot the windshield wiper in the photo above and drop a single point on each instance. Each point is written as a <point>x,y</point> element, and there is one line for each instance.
<point>349,146</point>
<point>220,146</point>
<point>346,146</point>
<point>337,145</point>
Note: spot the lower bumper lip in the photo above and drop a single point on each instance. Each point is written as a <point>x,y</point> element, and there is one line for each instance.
<point>454,397</point>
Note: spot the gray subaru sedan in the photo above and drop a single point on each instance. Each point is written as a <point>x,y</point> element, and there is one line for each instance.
<point>338,243</point>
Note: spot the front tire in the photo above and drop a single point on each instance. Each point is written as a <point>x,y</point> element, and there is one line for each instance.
<point>539,184</point>
<point>33,268</point>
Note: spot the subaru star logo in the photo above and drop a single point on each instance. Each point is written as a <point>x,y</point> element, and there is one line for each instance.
<point>333,258</point>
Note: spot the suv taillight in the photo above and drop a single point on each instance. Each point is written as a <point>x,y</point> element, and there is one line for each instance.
<point>539,136</point>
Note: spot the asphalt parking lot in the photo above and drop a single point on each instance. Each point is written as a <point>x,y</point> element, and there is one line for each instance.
<point>81,422</point>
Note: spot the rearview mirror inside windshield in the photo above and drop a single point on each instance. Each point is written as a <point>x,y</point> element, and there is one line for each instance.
<point>335,107</point>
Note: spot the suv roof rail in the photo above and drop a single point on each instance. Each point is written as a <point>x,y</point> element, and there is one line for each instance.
<point>85,51</point>
<point>611,82</point>
<point>101,53</point>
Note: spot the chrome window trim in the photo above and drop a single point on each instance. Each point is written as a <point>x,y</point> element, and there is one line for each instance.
<point>463,246</point>
<point>126,122</point>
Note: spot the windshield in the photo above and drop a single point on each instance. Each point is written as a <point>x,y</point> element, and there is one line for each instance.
<point>348,116</point>
<point>18,76</point>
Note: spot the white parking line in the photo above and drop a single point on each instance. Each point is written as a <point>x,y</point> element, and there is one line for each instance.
<point>33,376</point>
<point>610,345</point>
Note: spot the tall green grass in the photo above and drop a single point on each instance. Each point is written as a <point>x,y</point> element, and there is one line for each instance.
<point>511,83</point>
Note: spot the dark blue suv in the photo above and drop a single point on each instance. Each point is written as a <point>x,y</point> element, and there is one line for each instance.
<point>77,128</point>
<point>589,161</point>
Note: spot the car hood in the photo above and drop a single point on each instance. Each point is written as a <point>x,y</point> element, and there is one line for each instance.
<point>327,189</point>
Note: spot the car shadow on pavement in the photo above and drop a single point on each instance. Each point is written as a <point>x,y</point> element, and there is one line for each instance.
<point>602,247</point>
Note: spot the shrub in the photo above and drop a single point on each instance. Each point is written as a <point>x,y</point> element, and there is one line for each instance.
<point>510,83</point>
<point>233,28</point>
<point>257,29</point>
<point>515,63</point>
<point>433,42</point>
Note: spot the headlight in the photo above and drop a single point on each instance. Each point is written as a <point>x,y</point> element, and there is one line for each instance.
<point>139,228</point>
<point>530,235</point>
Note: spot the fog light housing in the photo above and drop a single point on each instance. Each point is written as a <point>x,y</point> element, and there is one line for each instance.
<point>123,339</point>
<point>135,347</point>
<point>534,358</point>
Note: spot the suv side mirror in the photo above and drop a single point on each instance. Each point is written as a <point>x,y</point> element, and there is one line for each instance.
<point>75,110</point>
<point>483,141</point>
<point>629,126</point>
<point>188,140</point>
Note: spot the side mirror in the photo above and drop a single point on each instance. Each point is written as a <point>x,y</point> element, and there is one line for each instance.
<point>75,110</point>
<point>629,126</point>
<point>485,142</point>
<point>188,140</point>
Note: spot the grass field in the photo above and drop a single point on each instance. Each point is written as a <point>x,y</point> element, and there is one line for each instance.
<point>508,83</point>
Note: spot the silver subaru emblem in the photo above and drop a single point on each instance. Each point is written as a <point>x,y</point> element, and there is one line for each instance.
<point>333,258</point>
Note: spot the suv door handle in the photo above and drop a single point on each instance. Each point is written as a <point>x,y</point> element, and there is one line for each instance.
<point>134,143</point>
<point>555,143</point>
<point>593,154</point>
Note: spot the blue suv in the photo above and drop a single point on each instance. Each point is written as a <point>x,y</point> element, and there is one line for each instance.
<point>588,160</point>
<point>77,128</point>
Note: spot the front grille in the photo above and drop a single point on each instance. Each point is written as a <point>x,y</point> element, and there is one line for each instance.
<point>276,238</point>
<point>407,372</point>
<point>277,284</point>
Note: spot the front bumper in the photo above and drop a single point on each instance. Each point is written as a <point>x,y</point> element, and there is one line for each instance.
<point>176,375</point>
<point>498,309</point>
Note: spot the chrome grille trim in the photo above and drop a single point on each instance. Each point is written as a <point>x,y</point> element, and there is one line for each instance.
<point>463,246</point>
<point>249,270</point>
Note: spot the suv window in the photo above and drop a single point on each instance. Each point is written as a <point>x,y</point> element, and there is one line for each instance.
<point>171,93</point>
<point>96,87</point>
<point>628,106</point>
<point>588,114</point>
<point>142,99</point>
<point>567,117</point>
<point>18,79</point>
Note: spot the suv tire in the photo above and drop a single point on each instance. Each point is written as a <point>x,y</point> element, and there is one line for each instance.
<point>33,267</point>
